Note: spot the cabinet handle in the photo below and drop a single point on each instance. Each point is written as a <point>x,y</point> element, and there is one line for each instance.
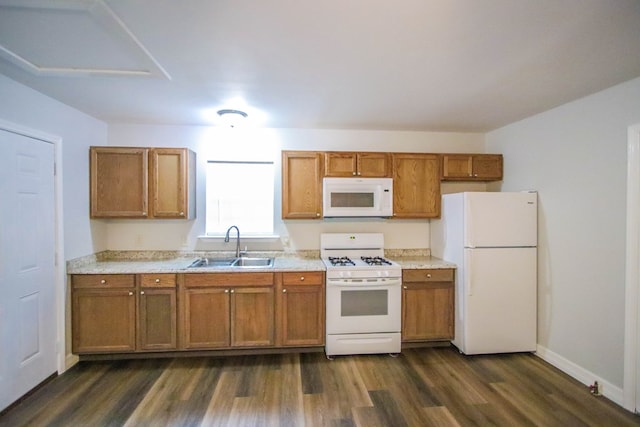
<point>141,292</point>
<point>103,281</point>
<point>130,293</point>
<point>157,280</point>
<point>284,291</point>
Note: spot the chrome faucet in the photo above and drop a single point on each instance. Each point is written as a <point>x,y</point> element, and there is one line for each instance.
<point>226,239</point>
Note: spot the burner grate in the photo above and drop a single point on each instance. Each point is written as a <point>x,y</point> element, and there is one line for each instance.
<point>371,260</point>
<point>341,261</point>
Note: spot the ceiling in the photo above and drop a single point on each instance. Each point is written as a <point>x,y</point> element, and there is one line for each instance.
<point>434,65</point>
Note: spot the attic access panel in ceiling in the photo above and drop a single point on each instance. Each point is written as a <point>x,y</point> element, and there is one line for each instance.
<point>71,38</point>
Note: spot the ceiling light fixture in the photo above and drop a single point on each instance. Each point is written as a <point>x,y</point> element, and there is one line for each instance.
<point>232,118</point>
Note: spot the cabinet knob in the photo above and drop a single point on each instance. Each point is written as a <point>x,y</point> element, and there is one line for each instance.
<point>103,281</point>
<point>130,293</point>
<point>141,292</point>
<point>284,291</point>
<point>144,213</point>
<point>226,291</point>
<point>318,214</point>
<point>181,213</point>
<point>428,275</point>
<point>157,280</point>
<point>232,291</point>
<point>404,287</point>
<point>302,278</point>
<point>354,173</point>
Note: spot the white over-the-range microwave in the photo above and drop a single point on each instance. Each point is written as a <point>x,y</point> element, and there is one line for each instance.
<point>357,197</point>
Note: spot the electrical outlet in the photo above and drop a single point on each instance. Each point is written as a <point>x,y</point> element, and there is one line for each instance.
<point>595,389</point>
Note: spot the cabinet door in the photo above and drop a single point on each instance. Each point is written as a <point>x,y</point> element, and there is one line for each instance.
<point>487,167</point>
<point>103,320</point>
<point>168,182</point>
<point>252,317</point>
<point>457,166</point>
<point>427,313</point>
<point>372,165</point>
<point>118,182</point>
<point>416,185</point>
<point>206,318</point>
<point>339,163</point>
<point>157,319</point>
<point>301,309</point>
<point>427,305</point>
<point>301,185</point>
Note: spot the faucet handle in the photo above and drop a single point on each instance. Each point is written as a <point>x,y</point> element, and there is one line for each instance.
<point>244,252</point>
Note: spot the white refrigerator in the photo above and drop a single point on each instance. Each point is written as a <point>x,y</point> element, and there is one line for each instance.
<point>492,238</point>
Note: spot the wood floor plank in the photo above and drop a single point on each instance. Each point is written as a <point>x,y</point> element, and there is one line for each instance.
<point>421,387</point>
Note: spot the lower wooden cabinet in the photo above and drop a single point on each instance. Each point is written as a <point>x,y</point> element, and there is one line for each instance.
<point>126,313</point>
<point>157,312</point>
<point>301,311</point>
<point>121,313</point>
<point>103,313</point>
<point>223,310</point>
<point>427,305</point>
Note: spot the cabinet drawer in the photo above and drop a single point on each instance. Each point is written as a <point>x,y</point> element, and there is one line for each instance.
<point>103,281</point>
<point>228,279</point>
<point>164,280</point>
<point>433,275</point>
<point>303,278</point>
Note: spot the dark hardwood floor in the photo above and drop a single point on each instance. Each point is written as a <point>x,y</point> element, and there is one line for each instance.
<point>421,387</point>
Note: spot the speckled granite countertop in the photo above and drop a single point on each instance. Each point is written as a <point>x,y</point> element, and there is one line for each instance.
<point>418,262</point>
<point>136,262</point>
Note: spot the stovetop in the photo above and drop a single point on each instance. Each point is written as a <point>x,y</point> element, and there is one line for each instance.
<point>357,255</point>
<point>363,261</point>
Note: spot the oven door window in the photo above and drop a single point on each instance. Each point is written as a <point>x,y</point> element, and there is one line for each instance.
<point>364,303</point>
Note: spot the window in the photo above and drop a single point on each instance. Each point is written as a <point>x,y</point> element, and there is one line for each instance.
<point>240,193</point>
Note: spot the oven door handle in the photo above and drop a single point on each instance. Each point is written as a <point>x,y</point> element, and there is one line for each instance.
<point>356,283</point>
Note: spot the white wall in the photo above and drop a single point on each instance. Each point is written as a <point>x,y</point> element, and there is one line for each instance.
<point>575,156</point>
<point>25,107</point>
<point>211,143</point>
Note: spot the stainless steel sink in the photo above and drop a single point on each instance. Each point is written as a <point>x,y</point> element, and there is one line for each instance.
<point>242,262</point>
<point>212,262</point>
<point>253,262</point>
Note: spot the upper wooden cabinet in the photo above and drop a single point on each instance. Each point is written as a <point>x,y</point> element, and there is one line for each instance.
<point>416,185</point>
<point>366,165</point>
<point>472,167</point>
<point>302,184</point>
<point>142,182</point>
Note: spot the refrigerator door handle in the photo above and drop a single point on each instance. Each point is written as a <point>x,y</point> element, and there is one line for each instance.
<point>467,276</point>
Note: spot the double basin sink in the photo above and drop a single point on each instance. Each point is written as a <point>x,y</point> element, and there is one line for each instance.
<point>240,263</point>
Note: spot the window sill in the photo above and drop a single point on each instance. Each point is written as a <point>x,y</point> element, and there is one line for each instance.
<point>243,237</point>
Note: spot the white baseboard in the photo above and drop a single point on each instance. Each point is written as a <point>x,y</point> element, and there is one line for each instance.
<point>70,360</point>
<point>586,377</point>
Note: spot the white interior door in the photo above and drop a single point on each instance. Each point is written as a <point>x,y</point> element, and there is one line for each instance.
<point>27,265</point>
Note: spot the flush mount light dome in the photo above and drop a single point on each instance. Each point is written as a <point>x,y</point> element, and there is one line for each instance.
<point>231,117</point>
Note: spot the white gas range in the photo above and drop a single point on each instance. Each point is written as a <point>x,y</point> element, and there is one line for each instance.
<point>363,293</point>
